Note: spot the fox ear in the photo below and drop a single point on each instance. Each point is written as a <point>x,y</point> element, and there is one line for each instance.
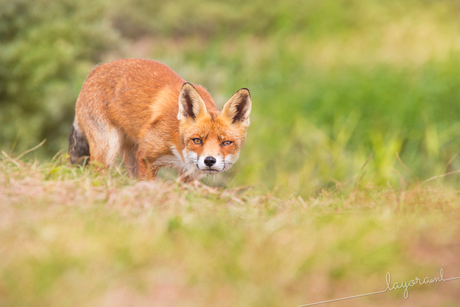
<point>191,105</point>
<point>238,108</point>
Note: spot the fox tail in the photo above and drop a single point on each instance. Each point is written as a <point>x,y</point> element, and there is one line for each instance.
<point>78,145</point>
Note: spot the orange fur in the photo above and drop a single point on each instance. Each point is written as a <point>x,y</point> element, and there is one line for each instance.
<point>148,113</point>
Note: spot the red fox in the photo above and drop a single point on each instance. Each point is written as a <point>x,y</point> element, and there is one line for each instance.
<point>154,118</point>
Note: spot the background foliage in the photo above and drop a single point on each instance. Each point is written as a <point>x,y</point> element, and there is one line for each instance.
<point>332,81</point>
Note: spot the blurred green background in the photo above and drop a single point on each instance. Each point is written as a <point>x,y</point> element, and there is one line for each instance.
<point>332,81</point>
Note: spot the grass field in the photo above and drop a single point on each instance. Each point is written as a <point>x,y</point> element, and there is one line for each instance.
<point>76,237</point>
<point>350,170</point>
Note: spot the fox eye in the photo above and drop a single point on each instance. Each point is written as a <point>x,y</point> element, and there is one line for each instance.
<point>197,141</point>
<point>226,143</point>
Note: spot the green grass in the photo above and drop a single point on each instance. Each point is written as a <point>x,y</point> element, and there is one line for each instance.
<point>76,237</point>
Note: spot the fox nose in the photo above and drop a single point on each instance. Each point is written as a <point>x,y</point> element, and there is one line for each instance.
<point>209,161</point>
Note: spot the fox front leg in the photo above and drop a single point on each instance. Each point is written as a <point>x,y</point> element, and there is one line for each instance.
<point>147,169</point>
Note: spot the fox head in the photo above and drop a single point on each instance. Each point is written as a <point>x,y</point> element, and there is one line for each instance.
<point>212,138</point>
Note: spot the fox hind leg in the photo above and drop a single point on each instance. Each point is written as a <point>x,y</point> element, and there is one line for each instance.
<point>100,143</point>
<point>129,150</point>
<point>104,145</point>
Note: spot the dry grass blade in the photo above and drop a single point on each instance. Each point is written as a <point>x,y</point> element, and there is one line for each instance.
<point>340,185</point>
<point>440,176</point>
<point>30,150</point>
<point>362,172</point>
<point>11,159</point>
<point>448,163</point>
<point>404,165</point>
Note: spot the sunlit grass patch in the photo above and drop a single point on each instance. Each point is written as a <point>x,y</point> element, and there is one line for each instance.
<point>68,242</point>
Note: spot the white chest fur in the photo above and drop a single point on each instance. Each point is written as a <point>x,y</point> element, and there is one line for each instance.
<point>174,160</point>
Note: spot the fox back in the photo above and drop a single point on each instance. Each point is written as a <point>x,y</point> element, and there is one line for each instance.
<point>146,112</point>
